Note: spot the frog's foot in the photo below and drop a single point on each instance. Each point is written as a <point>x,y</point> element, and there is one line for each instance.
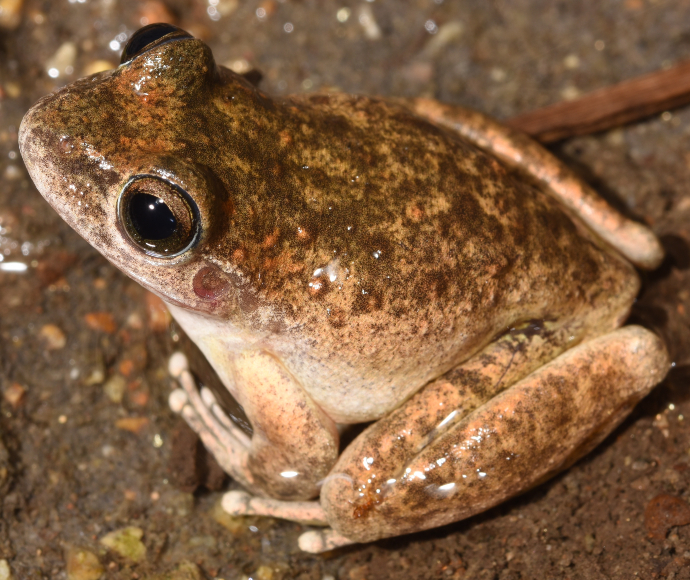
<point>393,479</point>
<point>228,444</point>
<point>241,503</point>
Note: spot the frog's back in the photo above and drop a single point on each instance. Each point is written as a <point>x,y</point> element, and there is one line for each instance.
<point>400,250</point>
<point>368,249</point>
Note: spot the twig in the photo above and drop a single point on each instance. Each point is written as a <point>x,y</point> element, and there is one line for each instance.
<point>609,107</point>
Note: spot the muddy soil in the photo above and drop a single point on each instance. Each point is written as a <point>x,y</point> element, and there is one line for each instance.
<point>87,434</point>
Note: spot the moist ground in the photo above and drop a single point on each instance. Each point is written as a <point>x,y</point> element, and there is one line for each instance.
<point>88,437</point>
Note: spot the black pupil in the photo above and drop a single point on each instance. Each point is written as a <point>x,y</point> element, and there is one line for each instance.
<point>145,36</point>
<point>152,219</point>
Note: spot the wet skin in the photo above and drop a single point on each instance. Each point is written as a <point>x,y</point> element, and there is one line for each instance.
<point>344,259</point>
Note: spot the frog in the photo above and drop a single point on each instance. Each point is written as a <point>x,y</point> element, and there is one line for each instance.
<point>421,311</point>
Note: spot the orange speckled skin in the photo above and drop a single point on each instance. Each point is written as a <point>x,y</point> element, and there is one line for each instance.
<point>359,249</point>
<point>286,186</point>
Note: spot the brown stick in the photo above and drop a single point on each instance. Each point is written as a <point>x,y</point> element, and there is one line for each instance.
<point>609,107</point>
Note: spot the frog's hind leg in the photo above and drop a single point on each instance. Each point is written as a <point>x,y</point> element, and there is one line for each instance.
<point>633,240</point>
<point>240,503</point>
<point>430,462</point>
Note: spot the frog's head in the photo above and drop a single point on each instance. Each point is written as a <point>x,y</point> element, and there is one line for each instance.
<point>128,158</point>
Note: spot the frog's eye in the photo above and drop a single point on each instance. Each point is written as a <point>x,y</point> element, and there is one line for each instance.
<point>150,36</point>
<point>159,217</point>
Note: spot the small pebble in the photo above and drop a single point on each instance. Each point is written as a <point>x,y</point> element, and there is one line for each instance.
<point>570,92</point>
<point>264,573</point>
<point>132,424</point>
<point>185,570</point>
<point>126,542</point>
<point>664,512</point>
<point>269,7</point>
<point>102,321</point>
<point>571,61</point>
<point>52,337</point>
<point>641,483</point>
<point>671,476</point>
<point>10,13</point>
<point>134,321</point>
<point>238,65</point>
<point>367,21</point>
<point>178,503</point>
<point>360,572</point>
<point>237,525</point>
<point>139,398</point>
<point>153,11</point>
<point>565,561</point>
<point>448,33</point>
<point>12,172</point>
<point>14,395</point>
<point>126,367</point>
<point>96,66</point>
<point>96,377</point>
<point>115,387</point>
<point>62,61</point>
<point>82,565</point>
<point>204,544</point>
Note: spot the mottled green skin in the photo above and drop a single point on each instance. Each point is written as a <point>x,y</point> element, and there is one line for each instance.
<point>466,249</point>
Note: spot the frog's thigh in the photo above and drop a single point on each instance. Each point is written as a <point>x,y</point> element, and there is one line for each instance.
<point>633,240</point>
<point>537,427</point>
<point>295,444</point>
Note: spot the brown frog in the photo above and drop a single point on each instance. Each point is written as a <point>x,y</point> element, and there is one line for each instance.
<point>344,260</point>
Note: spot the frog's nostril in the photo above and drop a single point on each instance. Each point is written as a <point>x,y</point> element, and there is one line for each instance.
<point>146,37</point>
<point>159,217</point>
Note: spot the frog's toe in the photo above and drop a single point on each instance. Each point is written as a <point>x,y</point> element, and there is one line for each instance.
<point>236,503</point>
<point>177,363</point>
<point>317,541</point>
<point>241,503</point>
<point>177,400</point>
<point>200,410</point>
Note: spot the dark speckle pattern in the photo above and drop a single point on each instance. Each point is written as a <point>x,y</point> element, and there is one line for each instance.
<point>350,252</point>
<point>349,223</point>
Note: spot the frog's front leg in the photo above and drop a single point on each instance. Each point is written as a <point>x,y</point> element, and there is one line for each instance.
<point>294,444</point>
<point>409,471</point>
